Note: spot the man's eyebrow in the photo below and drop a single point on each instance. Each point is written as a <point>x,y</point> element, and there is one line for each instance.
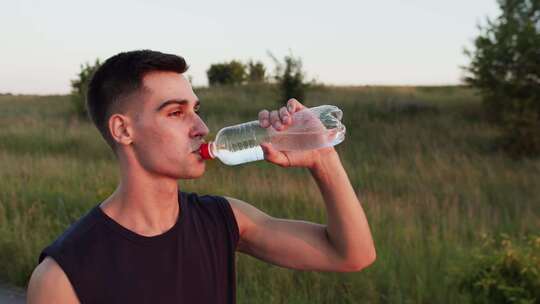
<point>181,102</point>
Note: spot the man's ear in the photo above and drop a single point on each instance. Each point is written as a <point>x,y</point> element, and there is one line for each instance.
<point>120,128</point>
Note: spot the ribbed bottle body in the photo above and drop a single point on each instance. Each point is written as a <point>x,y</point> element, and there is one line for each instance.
<point>312,128</point>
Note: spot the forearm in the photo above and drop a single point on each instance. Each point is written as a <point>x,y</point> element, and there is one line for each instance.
<point>347,228</point>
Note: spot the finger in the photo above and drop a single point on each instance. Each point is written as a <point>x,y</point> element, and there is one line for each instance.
<point>294,105</point>
<point>274,120</point>
<point>284,115</point>
<point>264,118</point>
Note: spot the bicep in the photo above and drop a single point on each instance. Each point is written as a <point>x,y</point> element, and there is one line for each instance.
<point>287,243</point>
<point>49,284</point>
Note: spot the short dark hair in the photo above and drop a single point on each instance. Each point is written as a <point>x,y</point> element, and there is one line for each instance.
<point>121,77</point>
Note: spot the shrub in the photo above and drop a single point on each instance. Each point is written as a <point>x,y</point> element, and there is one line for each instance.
<point>256,72</point>
<point>503,272</point>
<point>79,88</point>
<point>290,77</point>
<point>505,67</point>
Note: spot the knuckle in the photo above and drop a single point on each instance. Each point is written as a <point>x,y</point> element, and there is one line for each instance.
<point>290,105</point>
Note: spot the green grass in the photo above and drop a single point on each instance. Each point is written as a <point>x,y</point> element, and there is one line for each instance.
<point>421,160</point>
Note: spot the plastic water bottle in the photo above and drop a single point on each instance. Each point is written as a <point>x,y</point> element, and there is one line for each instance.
<point>311,128</point>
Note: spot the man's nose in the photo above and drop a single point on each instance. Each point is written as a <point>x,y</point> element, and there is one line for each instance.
<point>199,129</point>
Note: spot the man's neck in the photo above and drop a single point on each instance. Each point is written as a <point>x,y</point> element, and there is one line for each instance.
<point>144,204</point>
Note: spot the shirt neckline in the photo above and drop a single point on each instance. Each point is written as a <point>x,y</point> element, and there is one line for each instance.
<point>133,236</point>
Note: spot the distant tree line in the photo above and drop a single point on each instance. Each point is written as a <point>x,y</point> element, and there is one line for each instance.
<point>288,75</point>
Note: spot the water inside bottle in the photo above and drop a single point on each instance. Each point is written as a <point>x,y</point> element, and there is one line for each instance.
<point>241,156</point>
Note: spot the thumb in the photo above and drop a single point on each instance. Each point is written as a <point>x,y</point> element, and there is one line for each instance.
<point>274,156</point>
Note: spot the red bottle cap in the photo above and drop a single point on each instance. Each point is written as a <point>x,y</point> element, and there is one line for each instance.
<point>204,151</point>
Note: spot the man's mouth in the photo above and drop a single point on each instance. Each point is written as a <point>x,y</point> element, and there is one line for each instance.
<point>197,147</point>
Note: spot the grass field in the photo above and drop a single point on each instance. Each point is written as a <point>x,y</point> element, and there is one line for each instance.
<point>420,159</point>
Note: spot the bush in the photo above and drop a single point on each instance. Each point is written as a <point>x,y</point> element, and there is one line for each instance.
<point>521,134</point>
<point>291,78</point>
<point>228,73</point>
<point>505,67</point>
<point>79,88</point>
<point>503,272</point>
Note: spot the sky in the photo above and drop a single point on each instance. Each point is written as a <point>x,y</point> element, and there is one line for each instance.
<point>387,42</point>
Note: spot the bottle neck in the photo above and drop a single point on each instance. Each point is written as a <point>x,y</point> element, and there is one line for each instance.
<point>207,150</point>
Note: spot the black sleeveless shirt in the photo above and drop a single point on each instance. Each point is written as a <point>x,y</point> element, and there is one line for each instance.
<point>193,262</point>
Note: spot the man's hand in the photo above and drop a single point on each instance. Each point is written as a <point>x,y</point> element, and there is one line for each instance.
<point>280,120</point>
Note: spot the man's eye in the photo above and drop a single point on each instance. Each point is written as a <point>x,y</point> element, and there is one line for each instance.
<point>175,113</point>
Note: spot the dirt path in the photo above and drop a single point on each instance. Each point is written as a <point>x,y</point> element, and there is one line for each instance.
<point>11,295</point>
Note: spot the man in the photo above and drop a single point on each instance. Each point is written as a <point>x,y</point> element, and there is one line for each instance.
<point>149,242</point>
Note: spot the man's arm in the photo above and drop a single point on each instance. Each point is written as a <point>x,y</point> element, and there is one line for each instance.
<point>347,228</point>
<point>49,284</point>
<point>344,245</point>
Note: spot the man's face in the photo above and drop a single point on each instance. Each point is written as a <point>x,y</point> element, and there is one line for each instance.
<point>167,129</point>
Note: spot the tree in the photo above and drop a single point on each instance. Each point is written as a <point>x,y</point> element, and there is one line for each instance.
<point>256,72</point>
<point>228,73</point>
<point>505,67</point>
<point>290,77</point>
<point>79,88</point>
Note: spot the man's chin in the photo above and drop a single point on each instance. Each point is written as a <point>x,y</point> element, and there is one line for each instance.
<point>193,174</point>
<point>198,174</point>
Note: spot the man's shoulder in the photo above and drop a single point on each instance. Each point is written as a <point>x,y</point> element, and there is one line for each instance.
<point>207,201</point>
<point>202,198</point>
<point>75,236</point>
<point>82,225</point>
<point>49,284</point>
